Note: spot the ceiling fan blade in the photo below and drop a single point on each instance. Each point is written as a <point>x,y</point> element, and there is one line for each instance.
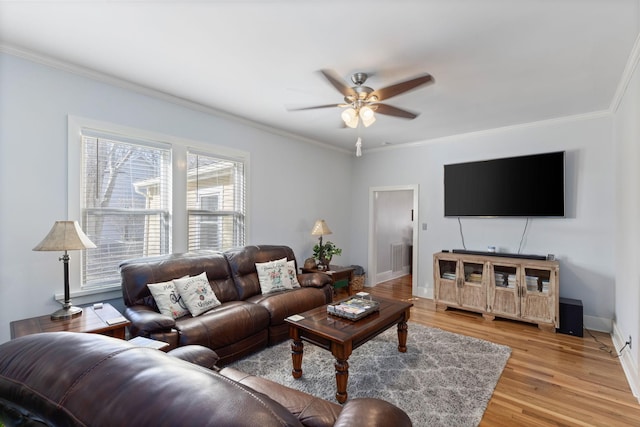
<point>402,87</point>
<point>390,110</point>
<point>316,107</point>
<point>337,82</point>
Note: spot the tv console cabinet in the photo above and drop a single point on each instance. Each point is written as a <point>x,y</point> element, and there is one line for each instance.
<point>498,286</point>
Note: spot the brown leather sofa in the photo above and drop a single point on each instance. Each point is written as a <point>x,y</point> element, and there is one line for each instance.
<point>76,379</point>
<point>245,322</point>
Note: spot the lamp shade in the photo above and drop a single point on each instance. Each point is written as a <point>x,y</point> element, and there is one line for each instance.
<point>65,236</point>
<point>320,228</point>
<point>366,113</point>
<point>350,117</point>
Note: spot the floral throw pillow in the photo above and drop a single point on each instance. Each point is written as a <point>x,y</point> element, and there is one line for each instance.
<point>273,276</point>
<point>168,299</point>
<point>197,293</point>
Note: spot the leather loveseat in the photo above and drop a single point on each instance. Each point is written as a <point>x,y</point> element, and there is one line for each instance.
<point>76,379</point>
<point>245,322</point>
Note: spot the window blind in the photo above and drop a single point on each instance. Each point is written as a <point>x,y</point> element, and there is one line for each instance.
<point>126,204</point>
<point>215,202</point>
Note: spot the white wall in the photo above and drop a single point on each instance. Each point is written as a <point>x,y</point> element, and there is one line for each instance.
<point>583,242</point>
<point>627,244</point>
<point>284,197</point>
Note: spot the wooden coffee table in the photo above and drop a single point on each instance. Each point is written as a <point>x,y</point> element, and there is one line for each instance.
<point>342,336</point>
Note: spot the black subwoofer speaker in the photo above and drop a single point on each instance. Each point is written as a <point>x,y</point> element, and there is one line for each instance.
<point>570,317</point>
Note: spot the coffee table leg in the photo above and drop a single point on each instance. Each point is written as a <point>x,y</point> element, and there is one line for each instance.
<point>296,355</point>
<point>402,337</point>
<point>342,376</point>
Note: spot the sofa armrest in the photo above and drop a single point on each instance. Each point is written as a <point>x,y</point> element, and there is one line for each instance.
<point>146,321</point>
<point>196,354</point>
<point>311,411</point>
<point>371,412</point>
<point>315,280</point>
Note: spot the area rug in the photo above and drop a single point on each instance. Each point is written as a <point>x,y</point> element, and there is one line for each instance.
<point>444,379</point>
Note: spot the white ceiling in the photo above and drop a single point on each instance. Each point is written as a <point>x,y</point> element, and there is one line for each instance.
<point>495,62</point>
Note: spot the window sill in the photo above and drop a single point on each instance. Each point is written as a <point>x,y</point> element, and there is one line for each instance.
<point>90,296</point>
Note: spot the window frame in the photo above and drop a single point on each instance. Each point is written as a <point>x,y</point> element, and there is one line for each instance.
<point>179,148</point>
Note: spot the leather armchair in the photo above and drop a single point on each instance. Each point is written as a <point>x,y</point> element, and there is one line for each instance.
<point>75,379</point>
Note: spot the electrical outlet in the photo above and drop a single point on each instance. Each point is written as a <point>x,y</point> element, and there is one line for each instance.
<point>629,342</point>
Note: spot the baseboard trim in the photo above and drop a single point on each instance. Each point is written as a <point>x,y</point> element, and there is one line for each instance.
<point>629,367</point>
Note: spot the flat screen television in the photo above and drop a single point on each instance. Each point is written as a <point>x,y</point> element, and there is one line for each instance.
<point>524,186</point>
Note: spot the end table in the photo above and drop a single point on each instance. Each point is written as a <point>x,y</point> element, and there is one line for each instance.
<point>106,321</point>
<point>337,273</point>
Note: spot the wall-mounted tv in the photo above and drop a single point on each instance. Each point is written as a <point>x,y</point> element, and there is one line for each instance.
<point>524,186</point>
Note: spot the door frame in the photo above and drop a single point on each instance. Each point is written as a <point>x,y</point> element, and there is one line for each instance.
<point>373,247</point>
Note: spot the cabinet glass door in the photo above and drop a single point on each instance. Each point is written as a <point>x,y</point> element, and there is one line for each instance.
<point>504,297</point>
<point>446,272</point>
<point>473,290</point>
<point>537,294</point>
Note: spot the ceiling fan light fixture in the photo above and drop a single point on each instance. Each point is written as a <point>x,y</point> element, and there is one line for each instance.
<point>367,116</point>
<point>350,117</point>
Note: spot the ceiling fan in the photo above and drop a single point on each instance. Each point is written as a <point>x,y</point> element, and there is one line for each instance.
<point>361,102</point>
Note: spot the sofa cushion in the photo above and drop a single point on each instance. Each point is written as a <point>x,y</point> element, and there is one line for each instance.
<point>286,303</point>
<point>137,273</point>
<point>168,299</point>
<point>197,293</point>
<point>223,325</point>
<point>242,262</point>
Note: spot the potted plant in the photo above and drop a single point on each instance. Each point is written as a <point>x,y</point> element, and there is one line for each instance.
<point>324,253</point>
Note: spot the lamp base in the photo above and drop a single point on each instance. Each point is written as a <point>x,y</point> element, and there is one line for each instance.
<point>66,313</point>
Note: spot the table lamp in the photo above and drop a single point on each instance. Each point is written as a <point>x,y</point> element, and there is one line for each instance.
<point>65,236</point>
<point>320,228</point>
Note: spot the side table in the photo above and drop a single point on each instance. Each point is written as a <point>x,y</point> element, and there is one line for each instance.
<point>106,321</point>
<point>337,273</point>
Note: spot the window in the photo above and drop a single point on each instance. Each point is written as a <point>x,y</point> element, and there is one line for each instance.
<point>126,186</point>
<point>126,203</point>
<point>215,202</point>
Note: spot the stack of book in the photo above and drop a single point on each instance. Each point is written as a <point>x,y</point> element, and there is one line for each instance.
<point>545,286</point>
<point>474,278</point>
<point>500,279</point>
<point>504,280</point>
<point>449,276</point>
<point>353,308</point>
<point>532,283</point>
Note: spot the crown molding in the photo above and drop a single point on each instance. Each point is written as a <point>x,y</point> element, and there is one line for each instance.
<point>154,93</point>
<point>627,75</point>
<point>498,130</point>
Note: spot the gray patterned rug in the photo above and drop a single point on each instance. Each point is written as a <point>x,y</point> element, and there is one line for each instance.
<point>443,379</point>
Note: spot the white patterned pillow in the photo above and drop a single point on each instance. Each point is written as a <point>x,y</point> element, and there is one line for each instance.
<point>197,293</point>
<point>168,299</point>
<point>293,276</point>
<point>273,276</point>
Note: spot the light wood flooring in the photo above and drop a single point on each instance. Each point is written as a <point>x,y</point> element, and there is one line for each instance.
<point>550,379</point>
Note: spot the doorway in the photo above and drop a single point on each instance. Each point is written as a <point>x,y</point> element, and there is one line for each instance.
<point>393,234</point>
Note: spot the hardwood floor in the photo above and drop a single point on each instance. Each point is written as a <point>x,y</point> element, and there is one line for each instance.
<point>550,379</point>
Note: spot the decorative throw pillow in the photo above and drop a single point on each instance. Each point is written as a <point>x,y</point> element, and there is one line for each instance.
<point>197,293</point>
<point>168,299</point>
<point>293,276</point>
<point>273,276</point>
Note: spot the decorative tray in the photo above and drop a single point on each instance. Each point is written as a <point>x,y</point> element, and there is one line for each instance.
<point>353,308</point>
